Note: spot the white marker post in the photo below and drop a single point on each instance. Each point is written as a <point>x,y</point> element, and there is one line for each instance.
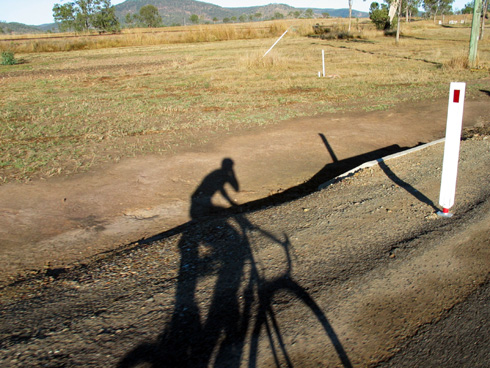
<point>451,147</point>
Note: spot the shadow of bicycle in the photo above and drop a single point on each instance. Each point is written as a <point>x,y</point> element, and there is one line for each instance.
<point>227,302</point>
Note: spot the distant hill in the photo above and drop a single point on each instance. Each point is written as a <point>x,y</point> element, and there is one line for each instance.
<point>175,11</point>
<point>341,13</point>
<point>49,27</point>
<point>15,28</point>
<point>178,12</point>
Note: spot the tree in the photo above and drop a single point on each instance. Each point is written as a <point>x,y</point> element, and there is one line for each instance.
<point>405,7</point>
<point>194,18</point>
<point>485,9</point>
<point>81,15</point>
<point>86,9</point>
<point>411,7</point>
<point>149,16</point>
<point>105,17</point>
<point>435,7</point>
<point>475,29</point>
<point>379,16</point>
<point>130,19</point>
<point>242,18</point>
<point>65,16</point>
<point>309,13</point>
<point>468,8</point>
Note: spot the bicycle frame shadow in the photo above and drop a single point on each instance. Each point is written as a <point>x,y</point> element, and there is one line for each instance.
<point>224,299</point>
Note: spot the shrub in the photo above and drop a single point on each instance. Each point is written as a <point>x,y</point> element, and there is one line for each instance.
<point>8,58</point>
<point>458,63</point>
<point>337,35</point>
<point>379,16</point>
<point>331,33</point>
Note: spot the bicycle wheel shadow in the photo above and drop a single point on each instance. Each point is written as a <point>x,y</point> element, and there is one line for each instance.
<point>223,300</point>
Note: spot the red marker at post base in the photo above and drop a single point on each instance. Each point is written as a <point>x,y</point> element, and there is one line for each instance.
<point>451,147</point>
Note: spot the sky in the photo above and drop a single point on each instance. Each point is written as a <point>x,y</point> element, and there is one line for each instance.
<point>36,12</point>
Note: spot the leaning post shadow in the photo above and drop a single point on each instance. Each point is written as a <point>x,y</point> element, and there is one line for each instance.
<point>241,301</point>
<point>403,184</point>
<point>329,147</point>
<point>382,164</point>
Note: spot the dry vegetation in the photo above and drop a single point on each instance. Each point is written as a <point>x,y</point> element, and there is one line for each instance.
<point>149,92</point>
<point>147,37</point>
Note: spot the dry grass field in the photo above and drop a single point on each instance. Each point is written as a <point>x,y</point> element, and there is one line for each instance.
<point>75,102</point>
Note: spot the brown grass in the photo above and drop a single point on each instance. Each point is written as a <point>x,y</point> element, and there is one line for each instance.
<point>458,63</point>
<point>148,37</point>
<point>62,112</point>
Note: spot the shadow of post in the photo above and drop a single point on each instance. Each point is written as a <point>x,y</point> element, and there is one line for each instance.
<point>410,189</point>
<point>240,303</point>
<point>329,147</point>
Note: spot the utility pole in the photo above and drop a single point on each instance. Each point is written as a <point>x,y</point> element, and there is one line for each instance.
<point>483,13</point>
<point>350,12</point>
<point>475,30</point>
<point>398,24</point>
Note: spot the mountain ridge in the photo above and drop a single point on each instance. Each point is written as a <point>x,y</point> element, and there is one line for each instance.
<point>175,12</point>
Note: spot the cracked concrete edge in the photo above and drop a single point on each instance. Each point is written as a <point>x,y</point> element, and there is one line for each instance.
<point>377,161</point>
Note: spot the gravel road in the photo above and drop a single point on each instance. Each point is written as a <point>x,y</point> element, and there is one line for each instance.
<point>360,273</point>
<point>459,339</point>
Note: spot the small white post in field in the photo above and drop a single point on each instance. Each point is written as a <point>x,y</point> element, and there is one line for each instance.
<point>323,62</point>
<point>451,147</point>
<point>275,43</point>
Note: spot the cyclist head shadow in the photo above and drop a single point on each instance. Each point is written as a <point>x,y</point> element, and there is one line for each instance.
<point>215,182</point>
<point>209,326</point>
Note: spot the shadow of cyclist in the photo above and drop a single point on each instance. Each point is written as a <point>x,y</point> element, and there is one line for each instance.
<point>215,182</point>
<point>222,297</point>
<point>211,247</point>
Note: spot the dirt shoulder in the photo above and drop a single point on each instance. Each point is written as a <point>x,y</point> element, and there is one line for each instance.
<point>64,220</point>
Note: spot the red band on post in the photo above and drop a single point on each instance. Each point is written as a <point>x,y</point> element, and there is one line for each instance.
<point>445,210</point>
<point>456,95</point>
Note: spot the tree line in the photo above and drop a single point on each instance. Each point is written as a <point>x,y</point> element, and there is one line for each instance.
<point>378,13</point>
<point>308,13</point>
<point>82,15</point>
